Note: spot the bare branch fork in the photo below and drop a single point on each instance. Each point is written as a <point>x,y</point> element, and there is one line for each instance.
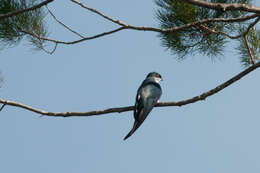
<point>127,26</point>
<point>243,34</point>
<point>124,26</point>
<point>200,97</point>
<point>62,24</point>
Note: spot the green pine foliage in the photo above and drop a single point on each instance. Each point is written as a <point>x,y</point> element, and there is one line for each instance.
<point>174,13</point>
<point>254,44</point>
<point>13,29</point>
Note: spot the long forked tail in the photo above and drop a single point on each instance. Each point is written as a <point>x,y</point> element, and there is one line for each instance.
<point>142,116</point>
<point>135,127</point>
<point>128,135</point>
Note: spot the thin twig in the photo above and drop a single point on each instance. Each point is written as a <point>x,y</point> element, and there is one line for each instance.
<point>228,35</point>
<point>251,26</point>
<point>65,26</point>
<point>76,41</point>
<point>225,7</point>
<point>50,52</point>
<point>10,14</point>
<point>174,29</point>
<point>200,97</point>
<point>249,50</point>
<point>99,13</point>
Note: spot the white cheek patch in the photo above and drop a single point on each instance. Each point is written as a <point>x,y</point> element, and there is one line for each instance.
<point>157,79</point>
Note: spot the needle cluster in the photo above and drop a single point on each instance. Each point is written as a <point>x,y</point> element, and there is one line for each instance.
<point>13,29</point>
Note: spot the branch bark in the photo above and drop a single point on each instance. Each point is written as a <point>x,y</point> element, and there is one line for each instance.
<point>200,97</point>
<point>142,28</point>
<point>243,34</point>
<point>10,14</point>
<point>174,29</point>
<point>225,7</point>
<point>249,50</point>
<point>62,24</point>
<point>125,26</point>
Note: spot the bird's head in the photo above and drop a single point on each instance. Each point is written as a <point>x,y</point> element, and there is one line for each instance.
<point>156,76</point>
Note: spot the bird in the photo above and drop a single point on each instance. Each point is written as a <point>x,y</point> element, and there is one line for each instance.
<point>147,96</point>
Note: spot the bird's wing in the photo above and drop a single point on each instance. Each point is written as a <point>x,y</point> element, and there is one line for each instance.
<point>138,106</point>
<point>147,96</point>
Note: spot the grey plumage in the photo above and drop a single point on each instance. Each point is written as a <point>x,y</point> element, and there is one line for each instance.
<point>147,96</point>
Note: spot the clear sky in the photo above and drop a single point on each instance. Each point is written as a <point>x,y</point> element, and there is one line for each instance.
<point>219,135</point>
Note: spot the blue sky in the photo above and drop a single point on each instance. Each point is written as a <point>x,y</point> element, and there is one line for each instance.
<point>220,134</point>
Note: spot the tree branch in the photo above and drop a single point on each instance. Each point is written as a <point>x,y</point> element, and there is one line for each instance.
<point>200,97</point>
<point>124,26</point>
<point>225,7</point>
<point>49,51</point>
<point>10,14</point>
<point>142,28</point>
<point>249,50</point>
<point>174,29</point>
<point>76,41</point>
<point>65,26</point>
<point>228,35</point>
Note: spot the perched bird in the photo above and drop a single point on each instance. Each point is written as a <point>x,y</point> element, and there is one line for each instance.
<point>147,96</point>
